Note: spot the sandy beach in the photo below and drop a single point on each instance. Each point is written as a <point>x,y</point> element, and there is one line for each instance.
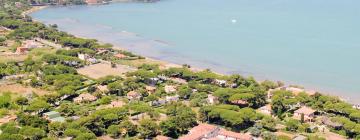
<point>33,9</point>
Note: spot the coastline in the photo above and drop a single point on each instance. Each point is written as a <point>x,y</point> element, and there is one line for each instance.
<point>33,9</point>
<point>166,64</point>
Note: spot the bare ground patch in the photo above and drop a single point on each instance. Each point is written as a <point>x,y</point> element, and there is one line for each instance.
<point>20,89</point>
<point>104,69</point>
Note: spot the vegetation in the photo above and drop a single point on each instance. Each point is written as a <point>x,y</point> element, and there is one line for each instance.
<point>156,112</point>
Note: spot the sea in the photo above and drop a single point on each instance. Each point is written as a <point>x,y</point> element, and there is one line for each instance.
<point>312,43</point>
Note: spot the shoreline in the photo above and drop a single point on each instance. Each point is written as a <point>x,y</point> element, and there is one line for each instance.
<point>167,64</point>
<point>33,9</point>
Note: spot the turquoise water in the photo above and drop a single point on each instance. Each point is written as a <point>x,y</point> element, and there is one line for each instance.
<point>314,43</point>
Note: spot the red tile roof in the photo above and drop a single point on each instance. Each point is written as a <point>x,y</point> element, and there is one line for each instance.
<point>160,137</point>
<point>305,110</point>
<point>198,132</point>
<point>212,132</point>
<point>238,136</point>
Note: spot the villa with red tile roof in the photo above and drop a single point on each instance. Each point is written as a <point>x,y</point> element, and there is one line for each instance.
<point>211,132</point>
<point>307,112</point>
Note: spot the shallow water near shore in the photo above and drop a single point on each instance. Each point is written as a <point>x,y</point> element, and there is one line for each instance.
<point>311,43</point>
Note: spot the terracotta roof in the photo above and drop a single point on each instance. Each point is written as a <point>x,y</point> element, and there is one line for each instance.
<point>305,110</point>
<point>202,130</point>
<point>238,136</point>
<point>198,132</point>
<point>119,55</point>
<point>160,137</point>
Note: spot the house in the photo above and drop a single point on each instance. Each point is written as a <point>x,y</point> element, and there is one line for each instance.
<point>160,137</point>
<point>211,132</point>
<point>305,114</point>
<point>21,50</point>
<point>170,89</point>
<point>172,98</point>
<point>133,95</point>
<point>53,116</point>
<point>150,89</point>
<point>85,98</point>
<point>120,56</point>
<point>266,109</point>
<point>229,135</point>
<point>212,99</point>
